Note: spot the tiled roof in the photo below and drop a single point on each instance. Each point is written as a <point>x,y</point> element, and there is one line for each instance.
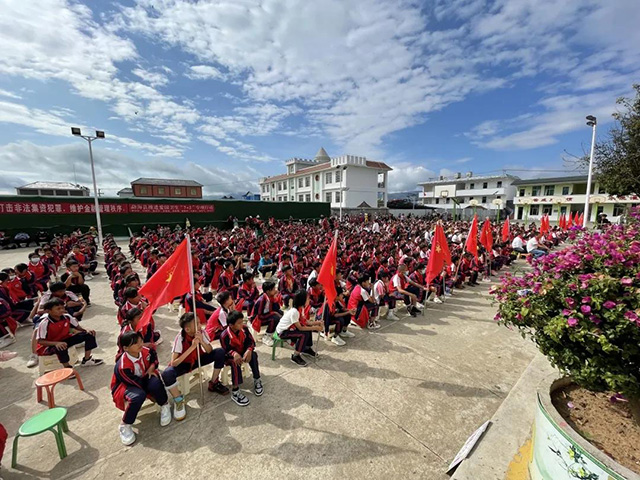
<point>54,186</point>
<point>550,180</point>
<point>166,181</point>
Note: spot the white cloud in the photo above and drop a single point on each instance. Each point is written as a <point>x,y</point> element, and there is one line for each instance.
<point>203,72</point>
<point>6,93</point>
<point>25,162</point>
<point>155,79</point>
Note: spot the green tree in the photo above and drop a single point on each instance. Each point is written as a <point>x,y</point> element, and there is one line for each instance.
<point>616,160</point>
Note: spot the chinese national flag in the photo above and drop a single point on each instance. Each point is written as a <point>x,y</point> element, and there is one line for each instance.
<point>440,255</point>
<point>569,221</point>
<point>505,230</point>
<point>327,275</point>
<point>561,221</point>
<point>576,218</point>
<point>471,245</point>
<point>580,219</point>
<point>544,224</point>
<point>486,236</point>
<point>172,280</point>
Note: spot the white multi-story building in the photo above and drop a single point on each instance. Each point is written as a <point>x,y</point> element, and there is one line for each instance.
<point>466,193</point>
<point>566,195</point>
<point>346,181</point>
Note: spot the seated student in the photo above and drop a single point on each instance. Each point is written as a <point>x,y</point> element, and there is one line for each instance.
<point>470,268</point>
<point>20,310</point>
<point>227,281</point>
<point>238,343</point>
<point>535,248</point>
<point>267,265</point>
<point>287,286</point>
<point>314,273</point>
<point>398,290</point>
<point>217,322</point>
<point>294,327</point>
<point>27,279</point>
<point>381,295</point>
<point>132,299</point>
<point>58,331</point>
<point>248,292</point>
<point>131,323</point>
<point>87,266</point>
<point>73,305</point>
<point>266,311</point>
<point>73,278</point>
<point>418,276</point>
<point>360,300</point>
<point>8,324</point>
<point>40,270</point>
<point>136,377</point>
<point>156,261</point>
<point>339,317</point>
<point>184,359</point>
<point>518,244</point>
<point>316,294</point>
<point>131,281</point>
<point>203,309</point>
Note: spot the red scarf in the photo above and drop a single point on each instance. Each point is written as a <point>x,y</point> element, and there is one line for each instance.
<point>237,339</point>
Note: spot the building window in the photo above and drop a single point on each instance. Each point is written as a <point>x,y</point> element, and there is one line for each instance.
<point>565,190</point>
<point>262,188</point>
<point>485,185</point>
<point>194,191</point>
<point>535,210</point>
<point>307,197</point>
<point>327,197</point>
<point>273,187</point>
<point>292,198</point>
<point>327,177</point>
<point>380,199</point>
<point>535,191</point>
<point>143,190</point>
<point>601,190</point>
<point>160,190</point>
<point>337,197</point>
<point>338,176</point>
<point>547,209</point>
<point>381,180</point>
<point>177,191</point>
<point>317,178</point>
<point>300,182</point>
<point>522,192</point>
<point>317,196</point>
<point>484,200</point>
<point>437,201</point>
<point>301,198</point>
<point>291,184</point>
<point>549,189</point>
<point>618,209</point>
<point>499,185</point>
<point>472,186</point>
<point>307,181</point>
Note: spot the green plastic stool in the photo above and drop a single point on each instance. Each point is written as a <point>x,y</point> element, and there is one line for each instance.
<point>276,340</point>
<point>40,423</point>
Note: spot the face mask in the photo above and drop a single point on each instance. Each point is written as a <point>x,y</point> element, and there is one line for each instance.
<point>35,260</point>
<point>11,277</point>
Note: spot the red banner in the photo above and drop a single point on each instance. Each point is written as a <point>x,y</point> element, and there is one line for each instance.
<point>59,208</point>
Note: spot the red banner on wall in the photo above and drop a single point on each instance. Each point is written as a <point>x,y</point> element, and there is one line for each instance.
<point>60,208</point>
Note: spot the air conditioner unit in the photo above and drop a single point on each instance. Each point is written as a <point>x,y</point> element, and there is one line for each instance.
<point>458,175</point>
<point>469,174</point>
<point>441,177</point>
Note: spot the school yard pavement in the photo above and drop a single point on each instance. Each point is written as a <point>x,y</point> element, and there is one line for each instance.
<point>395,403</point>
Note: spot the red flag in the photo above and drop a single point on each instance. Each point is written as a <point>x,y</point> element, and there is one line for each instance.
<point>505,230</point>
<point>544,224</point>
<point>170,281</point>
<point>576,219</point>
<point>569,221</point>
<point>471,245</point>
<point>561,221</point>
<point>486,236</point>
<point>581,219</point>
<point>440,256</point>
<point>327,275</point>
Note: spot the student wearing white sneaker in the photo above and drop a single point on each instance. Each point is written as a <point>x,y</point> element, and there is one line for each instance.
<point>365,308</point>
<point>381,295</point>
<point>136,377</point>
<point>239,345</point>
<point>294,327</point>
<point>339,316</point>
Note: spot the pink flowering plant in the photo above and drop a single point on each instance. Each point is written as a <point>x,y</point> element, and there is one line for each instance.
<point>581,306</point>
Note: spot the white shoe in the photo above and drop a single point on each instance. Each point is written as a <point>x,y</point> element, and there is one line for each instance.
<point>391,315</point>
<point>347,334</point>
<point>179,410</point>
<point>267,339</point>
<point>7,340</point>
<point>127,435</point>
<point>373,325</point>
<point>160,340</point>
<point>165,415</point>
<point>419,306</point>
<point>437,300</point>
<point>33,361</point>
<point>338,341</point>
<point>88,276</point>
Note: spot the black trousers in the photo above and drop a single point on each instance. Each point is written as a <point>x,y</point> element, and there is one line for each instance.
<point>83,290</point>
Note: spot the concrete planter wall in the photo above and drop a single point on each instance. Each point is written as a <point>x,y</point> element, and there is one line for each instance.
<point>560,453</point>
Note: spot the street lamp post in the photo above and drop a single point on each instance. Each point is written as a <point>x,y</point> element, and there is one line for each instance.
<point>592,122</point>
<point>498,202</point>
<point>342,171</point>
<point>474,203</point>
<point>90,138</point>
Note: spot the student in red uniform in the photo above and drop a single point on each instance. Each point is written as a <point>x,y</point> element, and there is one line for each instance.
<point>203,309</point>
<point>398,290</point>
<point>150,338</point>
<point>132,299</point>
<point>73,278</point>
<point>41,271</point>
<point>184,359</point>
<point>88,267</point>
<point>382,297</point>
<point>266,311</point>
<point>316,294</point>
<point>227,282</point>
<point>288,285</point>
<point>293,326</point>
<point>361,300</point>
<point>238,343</point>
<point>135,378</point>
<point>248,292</point>
<point>28,280</point>
<point>339,317</point>
<point>217,322</point>
<point>58,331</point>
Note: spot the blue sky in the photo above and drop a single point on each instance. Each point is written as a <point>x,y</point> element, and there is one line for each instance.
<point>224,91</point>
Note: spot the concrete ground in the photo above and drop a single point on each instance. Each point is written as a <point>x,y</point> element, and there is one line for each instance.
<point>397,402</point>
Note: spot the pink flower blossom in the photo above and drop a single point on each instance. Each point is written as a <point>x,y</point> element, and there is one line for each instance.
<point>586,299</point>
<point>609,304</point>
<point>626,281</point>
<point>570,302</point>
<point>585,309</point>
<point>631,316</point>
<point>572,321</point>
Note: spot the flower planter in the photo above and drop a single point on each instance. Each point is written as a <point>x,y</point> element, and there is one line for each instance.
<point>560,453</point>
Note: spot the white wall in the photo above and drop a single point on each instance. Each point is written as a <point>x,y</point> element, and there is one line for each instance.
<point>363,187</point>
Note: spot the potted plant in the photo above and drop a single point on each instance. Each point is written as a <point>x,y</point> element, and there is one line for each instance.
<point>581,306</point>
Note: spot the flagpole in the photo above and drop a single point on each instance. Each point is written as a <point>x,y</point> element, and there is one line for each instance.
<point>195,314</point>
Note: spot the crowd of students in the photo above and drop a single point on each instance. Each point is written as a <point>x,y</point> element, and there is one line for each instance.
<point>267,271</point>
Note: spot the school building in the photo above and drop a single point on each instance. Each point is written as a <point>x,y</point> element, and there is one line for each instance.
<point>348,181</point>
<point>555,196</point>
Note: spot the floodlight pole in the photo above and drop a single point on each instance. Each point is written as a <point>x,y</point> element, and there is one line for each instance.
<point>592,123</point>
